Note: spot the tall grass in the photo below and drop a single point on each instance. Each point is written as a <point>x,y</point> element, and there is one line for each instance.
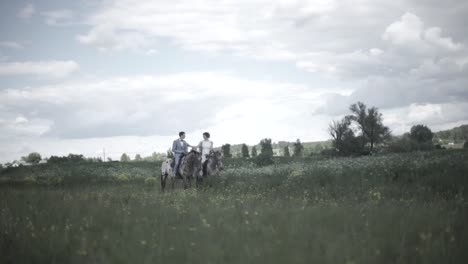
<point>408,208</point>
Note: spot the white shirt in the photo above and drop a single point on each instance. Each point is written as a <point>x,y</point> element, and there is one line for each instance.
<point>206,147</point>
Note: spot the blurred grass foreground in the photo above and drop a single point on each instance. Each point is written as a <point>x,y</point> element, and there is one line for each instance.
<point>394,208</point>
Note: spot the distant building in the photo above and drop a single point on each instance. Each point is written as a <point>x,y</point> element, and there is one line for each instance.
<point>18,163</point>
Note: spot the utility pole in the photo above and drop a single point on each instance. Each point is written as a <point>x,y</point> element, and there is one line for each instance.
<point>104,154</point>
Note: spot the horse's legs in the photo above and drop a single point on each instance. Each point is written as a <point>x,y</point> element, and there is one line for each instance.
<point>163,181</point>
<point>173,182</point>
<point>199,181</point>
<point>184,179</point>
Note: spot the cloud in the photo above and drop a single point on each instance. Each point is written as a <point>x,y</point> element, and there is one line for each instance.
<point>157,105</point>
<point>143,107</point>
<point>27,11</point>
<point>407,57</point>
<point>10,45</point>
<point>410,30</point>
<point>48,69</point>
<point>341,39</point>
<point>436,116</point>
<point>58,17</point>
<point>433,36</point>
<point>249,28</point>
<point>405,31</point>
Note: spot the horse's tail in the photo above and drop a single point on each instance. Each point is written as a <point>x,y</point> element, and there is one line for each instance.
<point>165,172</point>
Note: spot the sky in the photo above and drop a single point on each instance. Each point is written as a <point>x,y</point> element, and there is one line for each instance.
<point>127,75</point>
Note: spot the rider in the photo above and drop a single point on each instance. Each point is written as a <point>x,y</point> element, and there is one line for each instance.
<point>205,146</point>
<point>179,148</point>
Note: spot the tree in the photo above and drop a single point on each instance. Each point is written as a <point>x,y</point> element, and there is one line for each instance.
<point>254,152</point>
<point>266,148</point>
<point>370,124</point>
<point>75,158</point>
<point>226,149</point>
<point>286,151</point>
<point>465,145</point>
<point>32,158</point>
<point>266,154</point>
<point>298,148</point>
<point>138,157</point>
<point>245,151</point>
<point>421,134</point>
<point>69,158</point>
<point>124,158</point>
<point>343,139</point>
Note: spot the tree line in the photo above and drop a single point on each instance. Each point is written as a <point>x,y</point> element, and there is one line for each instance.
<point>361,132</point>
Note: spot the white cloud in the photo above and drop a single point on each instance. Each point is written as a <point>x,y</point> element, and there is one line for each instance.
<point>410,30</point>
<point>156,107</point>
<point>160,104</point>
<point>251,28</point>
<point>27,11</point>
<point>341,39</point>
<point>58,17</point>
<point>48,69</point>
<point>433,35</point>
<point>436,116</point>
<point>405,31</point>
<point>412,65</point>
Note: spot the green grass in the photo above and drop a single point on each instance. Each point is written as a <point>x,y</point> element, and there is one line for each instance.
<point>406,208</point>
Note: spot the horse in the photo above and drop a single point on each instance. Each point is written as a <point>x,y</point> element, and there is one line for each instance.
<point>189,168</point>
<point>213,165</point>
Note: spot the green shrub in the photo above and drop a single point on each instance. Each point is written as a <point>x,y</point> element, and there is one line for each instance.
<point>151,181</point>
<point>408,144</point>
<point>122,177</point>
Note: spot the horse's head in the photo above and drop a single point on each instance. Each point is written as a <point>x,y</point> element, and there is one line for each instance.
<point>217,158</point>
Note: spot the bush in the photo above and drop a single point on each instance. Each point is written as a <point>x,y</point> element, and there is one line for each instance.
<point>32,158</point>
<point>407,144</point>
<point>421,134</point>
<point>122,177</point>
<point>263,160</point>
<point>151,181</point>
<point>226,149</point>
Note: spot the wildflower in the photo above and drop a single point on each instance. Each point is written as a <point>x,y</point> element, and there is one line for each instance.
<point>205,223</point>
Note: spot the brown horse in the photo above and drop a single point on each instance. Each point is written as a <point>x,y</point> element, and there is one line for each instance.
<point>189,168</point>
<point>213,164</point>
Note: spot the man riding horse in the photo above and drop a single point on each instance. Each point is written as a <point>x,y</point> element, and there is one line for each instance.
<point>188,165</point>
<point>179,148</point>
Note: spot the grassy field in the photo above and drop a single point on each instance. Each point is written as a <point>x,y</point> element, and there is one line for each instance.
<point>405,208</point>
